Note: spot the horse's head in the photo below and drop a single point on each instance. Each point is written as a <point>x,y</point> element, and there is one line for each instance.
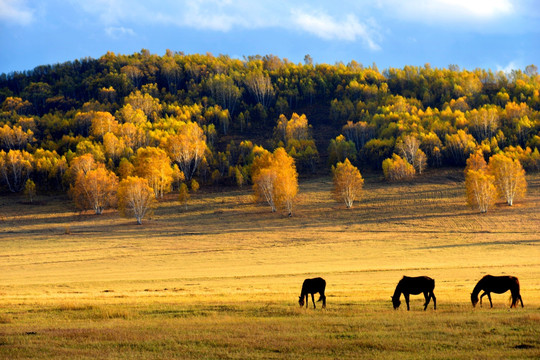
<point>396,302</point>
<point>474,299</point>
<point>301,300</point>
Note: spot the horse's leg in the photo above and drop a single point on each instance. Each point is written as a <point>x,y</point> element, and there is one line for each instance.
<point>307,300</point>
<point>481,296</point>
<point>406,296</point>
<point>313,300</point>
<point>434,300</point>
<point>521,300</point>
<point>489,297</point>
<point>323,297</point>
<point>427,297</point>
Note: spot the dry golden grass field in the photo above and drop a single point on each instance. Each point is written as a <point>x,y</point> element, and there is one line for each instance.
<point>221,279</point>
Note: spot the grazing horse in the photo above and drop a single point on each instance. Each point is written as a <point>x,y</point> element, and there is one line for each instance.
<point>312,286</point>
<point>415,285</point>
<point>498,285</point>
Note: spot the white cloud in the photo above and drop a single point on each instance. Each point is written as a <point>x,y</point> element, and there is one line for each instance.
<point>119,32</point>
<point>448,10</point>
<point>476,8</point>
<point>512,65</point>
<point>226,15</point>
<point>16,11</point>
<point>326,27</point>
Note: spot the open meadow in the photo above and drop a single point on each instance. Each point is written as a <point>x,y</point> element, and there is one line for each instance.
<point>221,279</point>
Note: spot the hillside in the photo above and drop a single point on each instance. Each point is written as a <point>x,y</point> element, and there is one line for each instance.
<point>115,105</point>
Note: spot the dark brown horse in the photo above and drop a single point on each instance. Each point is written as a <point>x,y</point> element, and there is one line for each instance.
<point>313,286</point>
<point>415,285</point>
<point>498,285</point>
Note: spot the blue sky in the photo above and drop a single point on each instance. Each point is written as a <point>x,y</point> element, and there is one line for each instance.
<point>489,34</point>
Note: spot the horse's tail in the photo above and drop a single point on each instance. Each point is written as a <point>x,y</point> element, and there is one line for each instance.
<point>514,293</point>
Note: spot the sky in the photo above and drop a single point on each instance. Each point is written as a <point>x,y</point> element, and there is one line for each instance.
<point>488,34</point>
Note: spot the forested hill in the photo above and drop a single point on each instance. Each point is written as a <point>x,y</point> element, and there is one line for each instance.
<point>114,106</point>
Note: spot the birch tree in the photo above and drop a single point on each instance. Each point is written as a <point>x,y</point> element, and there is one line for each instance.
<point>260,87</point>
<point>187,148</point>
<point>95,189</point>
<point>135,198</point>
<point>509,177</point>
<point>15,168</point>
<point>481,193</point>
<point>154,165</point>
<point>397,168</point>
<point>286,180</point>
<point>275,179</point>
<point>348,182</point>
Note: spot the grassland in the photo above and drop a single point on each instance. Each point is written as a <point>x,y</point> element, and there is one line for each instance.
<point>221,279</point>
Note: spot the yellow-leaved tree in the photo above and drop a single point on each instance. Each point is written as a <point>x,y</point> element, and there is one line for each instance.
<point>135,197</point>
<point>286,186</point>
<point>476,161</point>
<point>15,168</point>
<point>263,176</point>
<point>348,182</point>
<point>275,179</point>
<point>154,165</point>
<point>481,192</point>
<point>187,147</point>
<point>102,122</point>
<point>397,168</point>
<point>95,189</point>
<point>509,177</point>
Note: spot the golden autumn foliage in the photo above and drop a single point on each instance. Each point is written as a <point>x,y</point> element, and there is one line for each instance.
<point>135,198</point>
<point>275,179</point>
<point>154,165</point>
<point>397,168</point>
<point>286,187</point>
<point>481,192</point>
<point>82,163</point>
<point>509,177</point>
<point>95,189</point>
<point>49,167</point>
<point>207,112</point>
<point>408,147</point>
<point>348,182</point>
<point>503,177</point>
<point>297,128</point>
<point>295,135</point>
<point>460,145</point>
<point>476,162</point>
<point>187,147</point>
<point>15,168</point>
<point>484,122</point>
<point>113,146</point>
<point>15,137</point>
<point>102,122</point>
<point>263,176</point>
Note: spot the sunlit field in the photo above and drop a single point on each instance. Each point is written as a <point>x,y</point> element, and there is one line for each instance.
<point>221,279</point>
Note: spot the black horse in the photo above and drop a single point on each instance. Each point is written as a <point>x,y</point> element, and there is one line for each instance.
<point>312,286</point>
<point>415,285</point>
<point>498,285</point>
